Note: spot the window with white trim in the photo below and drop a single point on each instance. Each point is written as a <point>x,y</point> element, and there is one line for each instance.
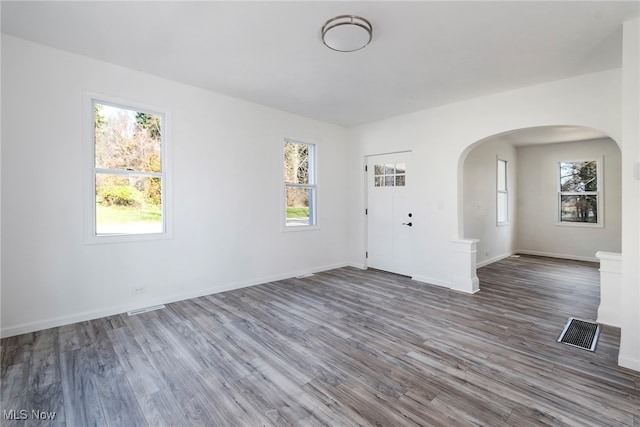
<point>502,193</point>
<point>579,194</point>
<point>128,191</point>
<point>299,184</point>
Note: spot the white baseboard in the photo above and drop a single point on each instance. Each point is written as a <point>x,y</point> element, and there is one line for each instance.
<point>40,325</point>
<point>609,316</point>
<point>432,281</point>
<point>494,259</point>
<point>358,265</point>
<point>629,363</point>
<point>554,255</point>
<point>474,284</point>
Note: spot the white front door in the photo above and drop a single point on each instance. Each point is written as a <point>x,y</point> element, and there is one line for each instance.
<point>389,218</point>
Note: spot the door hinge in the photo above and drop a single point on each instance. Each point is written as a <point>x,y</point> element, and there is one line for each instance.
<point>366,211</point>
<point>366,254</point>
<point>365,168</point>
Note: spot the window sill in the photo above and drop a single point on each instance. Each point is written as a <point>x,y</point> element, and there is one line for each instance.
<point>125,238</point>
<point>294,228</point>
<point>580,224</point>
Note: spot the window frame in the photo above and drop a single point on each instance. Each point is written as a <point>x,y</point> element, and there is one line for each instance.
<point>599,193</point>
<point>382,178</point>
<point>312,186</point>
<point>90,235</point>
<point>505,192</point>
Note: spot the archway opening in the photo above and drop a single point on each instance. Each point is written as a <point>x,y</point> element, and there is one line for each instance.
<point>512,199</point>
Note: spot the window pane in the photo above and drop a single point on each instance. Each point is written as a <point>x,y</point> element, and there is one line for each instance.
<point>379,181</point>
<point>579,208</point>
<point>578,176</point>
<point>502,175</point>
<point>378,169</point>
<point>400,181</point>
<point>296,163</point>
<point>502,207</point>
<point>389,181</point>
<point>389,169</point>
<point>401,168</point>
<point>128,204</point>
<point>127,139</point>
<point>299,205</point>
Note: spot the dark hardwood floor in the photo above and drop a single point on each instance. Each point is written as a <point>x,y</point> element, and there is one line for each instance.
<point>340,348</point>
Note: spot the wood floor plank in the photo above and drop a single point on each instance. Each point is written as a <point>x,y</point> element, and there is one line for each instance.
<point>185,388</point>
<point>160,409</point>
<point>14,350</point>
<point>46,405</point>
<point>14,387</point>
<point>79,391</point>
<point>270,400</point>
<point>141,375</point>
<point>344,347</point>
<point>44,366</point>
<point>531,417</point>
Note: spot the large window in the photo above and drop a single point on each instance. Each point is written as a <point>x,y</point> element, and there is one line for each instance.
<point>502,196</point>
<point>299,184</point>
<point>579,197</point>
<point>128,171</point>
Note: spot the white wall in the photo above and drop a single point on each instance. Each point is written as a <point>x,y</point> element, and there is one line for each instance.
<point>480,200</point>
<point>441,138</point>
<point>538,230</point>
<point>227,194</point>
<point>1,91</point>
<point>629,355</point>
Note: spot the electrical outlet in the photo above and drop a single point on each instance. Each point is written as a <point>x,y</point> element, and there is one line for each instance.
<point>138,289</point>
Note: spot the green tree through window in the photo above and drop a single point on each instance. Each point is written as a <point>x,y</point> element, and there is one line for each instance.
<point>579,192</point>
<point>300,185</point>
<point>128,170</point>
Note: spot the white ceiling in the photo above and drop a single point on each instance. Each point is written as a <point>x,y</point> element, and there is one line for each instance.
<point>423,53</point>
<point>550,135</point>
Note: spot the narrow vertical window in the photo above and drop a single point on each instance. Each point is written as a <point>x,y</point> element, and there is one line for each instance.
<point>299,184</point>
<point>128,171</point>
<point>579,193</point>
<point>502,194</point>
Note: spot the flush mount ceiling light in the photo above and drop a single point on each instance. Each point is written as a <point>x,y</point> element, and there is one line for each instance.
<point>347,33</point>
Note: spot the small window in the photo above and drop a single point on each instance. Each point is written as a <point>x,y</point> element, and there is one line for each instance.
<point>580,193</point>
<point>299,184</point>
<point>389,175</point>
<point>128,171</point>
<point>502,196</point>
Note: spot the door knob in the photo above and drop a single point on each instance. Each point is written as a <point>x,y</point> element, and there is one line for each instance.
<point>407,224</point>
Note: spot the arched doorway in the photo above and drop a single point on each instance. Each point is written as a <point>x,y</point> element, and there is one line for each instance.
<point>529,217</point>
